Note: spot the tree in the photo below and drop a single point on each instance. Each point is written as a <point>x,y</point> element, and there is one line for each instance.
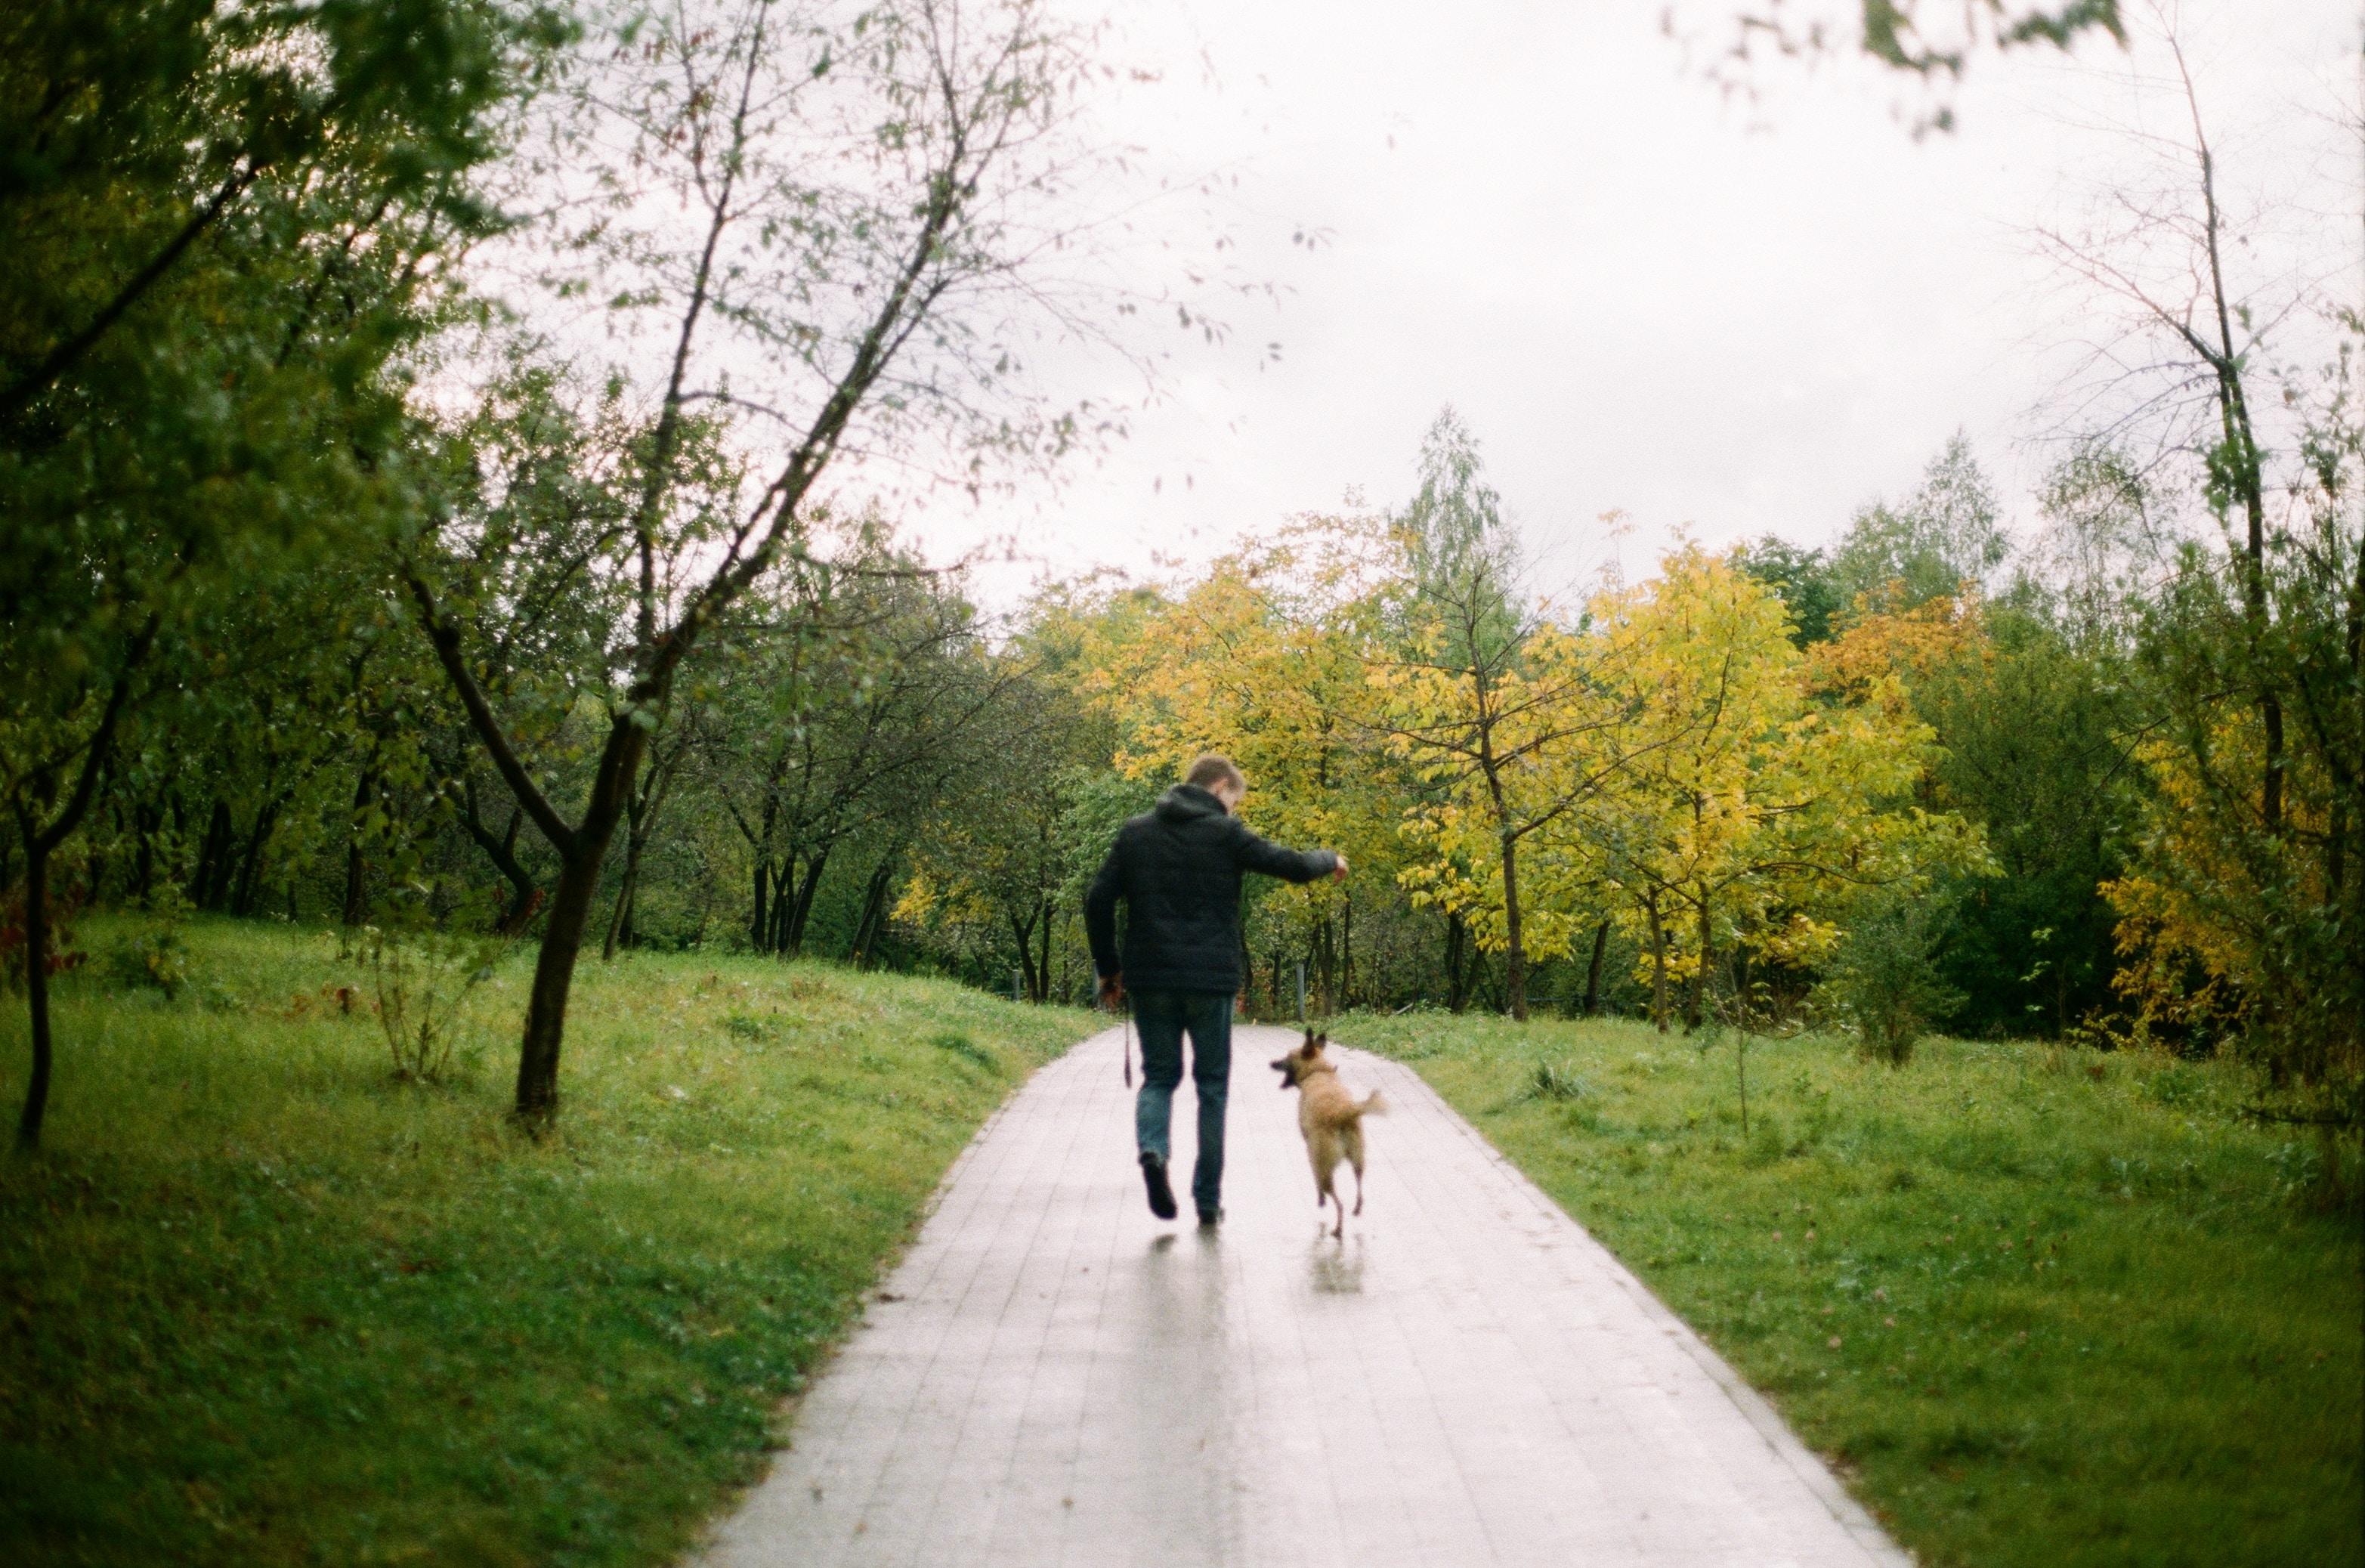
<point>218,225</point>
<point>2263,917</point>
<point>1264,661</point>
<point>2163,256</point>
<point>991,861</point>
<point>1466,704</point>
<point>1941,540</point>
<point>2242,875</point>
<point>808,227</point>
<point>1804,580</point>
<point>1763,798</point>
<point>1929,41</point>
<point>867,696</point>
<point>2036,734</point>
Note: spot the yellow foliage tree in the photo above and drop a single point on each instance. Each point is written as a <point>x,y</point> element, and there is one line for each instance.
<point>1261,660</point>
<point>1756,795</point>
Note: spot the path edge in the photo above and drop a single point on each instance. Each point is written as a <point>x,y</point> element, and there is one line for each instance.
<point>780,1425</point>
<point>1812,1470</point>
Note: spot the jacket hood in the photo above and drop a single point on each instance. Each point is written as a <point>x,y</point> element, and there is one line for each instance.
<point>1185,802</point>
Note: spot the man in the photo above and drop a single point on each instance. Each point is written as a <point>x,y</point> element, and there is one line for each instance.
<point>1178,869</point>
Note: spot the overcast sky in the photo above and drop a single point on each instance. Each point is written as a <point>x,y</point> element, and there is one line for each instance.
<point>1711,316</point>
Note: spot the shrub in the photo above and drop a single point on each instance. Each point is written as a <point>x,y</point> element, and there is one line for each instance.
<point>424,976</point>
<point>1883,984</point>
<point>155,958</point>
<point>1552,1080</point>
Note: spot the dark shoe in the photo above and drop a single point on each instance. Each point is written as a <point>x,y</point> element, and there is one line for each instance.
<point>1153,1176</point>
<point>1210,1218</point>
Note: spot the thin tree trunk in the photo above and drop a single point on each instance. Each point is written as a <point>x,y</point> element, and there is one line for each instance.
<point>1694,1004</point>
<point>1593,970</point>
<point>1324,970</point>
<point>783,905</point>
<point>39,842</point>
<point>620,918</point>
<point>758,928</point>
<point>225,868</point>
<point>245,895</point>
<point>874,909</point>
<point>1347,950</point>
<point>806,888</point>
<point>570,912</point>
<point>36,981</point>
<point>2240,460</point>
<point>501,850</point>
<point>554,978</point>
<point>211,851</point>
<point>1658,964</point>
<point>1023,931</point>
<point>356,862</point>
<point>1515,952</point>
<point>1456,991</point>
<point>620,921</point>
<point>146,822</point>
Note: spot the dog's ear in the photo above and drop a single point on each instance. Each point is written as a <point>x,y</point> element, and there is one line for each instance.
<point>1321,1040</point>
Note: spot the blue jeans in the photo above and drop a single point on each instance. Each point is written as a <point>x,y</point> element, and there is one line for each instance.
<point>1164,1017</point>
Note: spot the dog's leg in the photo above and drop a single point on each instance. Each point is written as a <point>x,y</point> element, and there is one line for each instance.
<point>1355,1158</point>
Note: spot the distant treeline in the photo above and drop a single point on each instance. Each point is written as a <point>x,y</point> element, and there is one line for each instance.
<point>422,437</point>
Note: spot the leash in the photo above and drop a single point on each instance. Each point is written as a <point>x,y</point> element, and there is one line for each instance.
<point>1128,1043</point>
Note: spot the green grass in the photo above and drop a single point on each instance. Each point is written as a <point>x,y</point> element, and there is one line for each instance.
<point>2040,1307</point>
<point>261,1304</point>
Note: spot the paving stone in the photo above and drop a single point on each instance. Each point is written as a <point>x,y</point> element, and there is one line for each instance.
<point>1053,1377</point>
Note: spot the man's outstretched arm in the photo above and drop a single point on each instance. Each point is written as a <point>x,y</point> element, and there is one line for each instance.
<point>1255,853</point>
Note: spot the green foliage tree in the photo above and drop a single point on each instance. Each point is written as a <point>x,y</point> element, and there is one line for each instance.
<point>1462,707</point>
<point>2036,734</point>
<point>1802,577</point>
<point>1883,984</point>
<point>220,227</point>
<point>1940,538</point>
<point>806,227</point>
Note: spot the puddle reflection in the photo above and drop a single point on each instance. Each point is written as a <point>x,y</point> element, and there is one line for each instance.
<point>1337,1266</point>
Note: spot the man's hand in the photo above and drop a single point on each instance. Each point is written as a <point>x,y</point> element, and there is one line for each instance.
<point>1339,872</point>
<point>1112,992</point>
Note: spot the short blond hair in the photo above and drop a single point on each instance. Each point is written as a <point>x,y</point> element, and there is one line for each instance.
<point>1213,768</point>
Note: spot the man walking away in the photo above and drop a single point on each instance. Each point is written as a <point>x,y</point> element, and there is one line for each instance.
<point>1178,869</point>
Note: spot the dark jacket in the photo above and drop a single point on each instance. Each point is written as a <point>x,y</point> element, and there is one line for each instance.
<point>1178,868</point>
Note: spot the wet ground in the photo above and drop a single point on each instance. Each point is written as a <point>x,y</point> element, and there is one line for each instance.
<point>1054,1377</point>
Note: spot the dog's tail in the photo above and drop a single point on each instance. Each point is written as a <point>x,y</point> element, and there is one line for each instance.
<point>1373,1106</point>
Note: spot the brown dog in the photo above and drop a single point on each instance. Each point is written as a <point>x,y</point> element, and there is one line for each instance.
<point>1331,1119</point>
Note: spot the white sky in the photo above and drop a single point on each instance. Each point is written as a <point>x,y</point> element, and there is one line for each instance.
<point>1711,315</point>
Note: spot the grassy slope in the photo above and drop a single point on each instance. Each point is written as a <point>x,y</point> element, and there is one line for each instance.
<point>2038,1317</point>
<point>259,1304</point>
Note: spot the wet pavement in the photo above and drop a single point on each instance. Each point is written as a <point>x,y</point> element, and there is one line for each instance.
<point>1054,1377</point>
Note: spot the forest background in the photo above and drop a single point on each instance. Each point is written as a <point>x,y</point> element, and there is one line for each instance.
<point>347,581</point>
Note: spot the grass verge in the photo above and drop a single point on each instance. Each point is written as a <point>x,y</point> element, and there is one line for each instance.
<point>2040,1307</point>
<point>261,1303</point>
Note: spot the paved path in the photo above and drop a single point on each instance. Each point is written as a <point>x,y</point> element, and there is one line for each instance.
<point>1053,1377</point>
